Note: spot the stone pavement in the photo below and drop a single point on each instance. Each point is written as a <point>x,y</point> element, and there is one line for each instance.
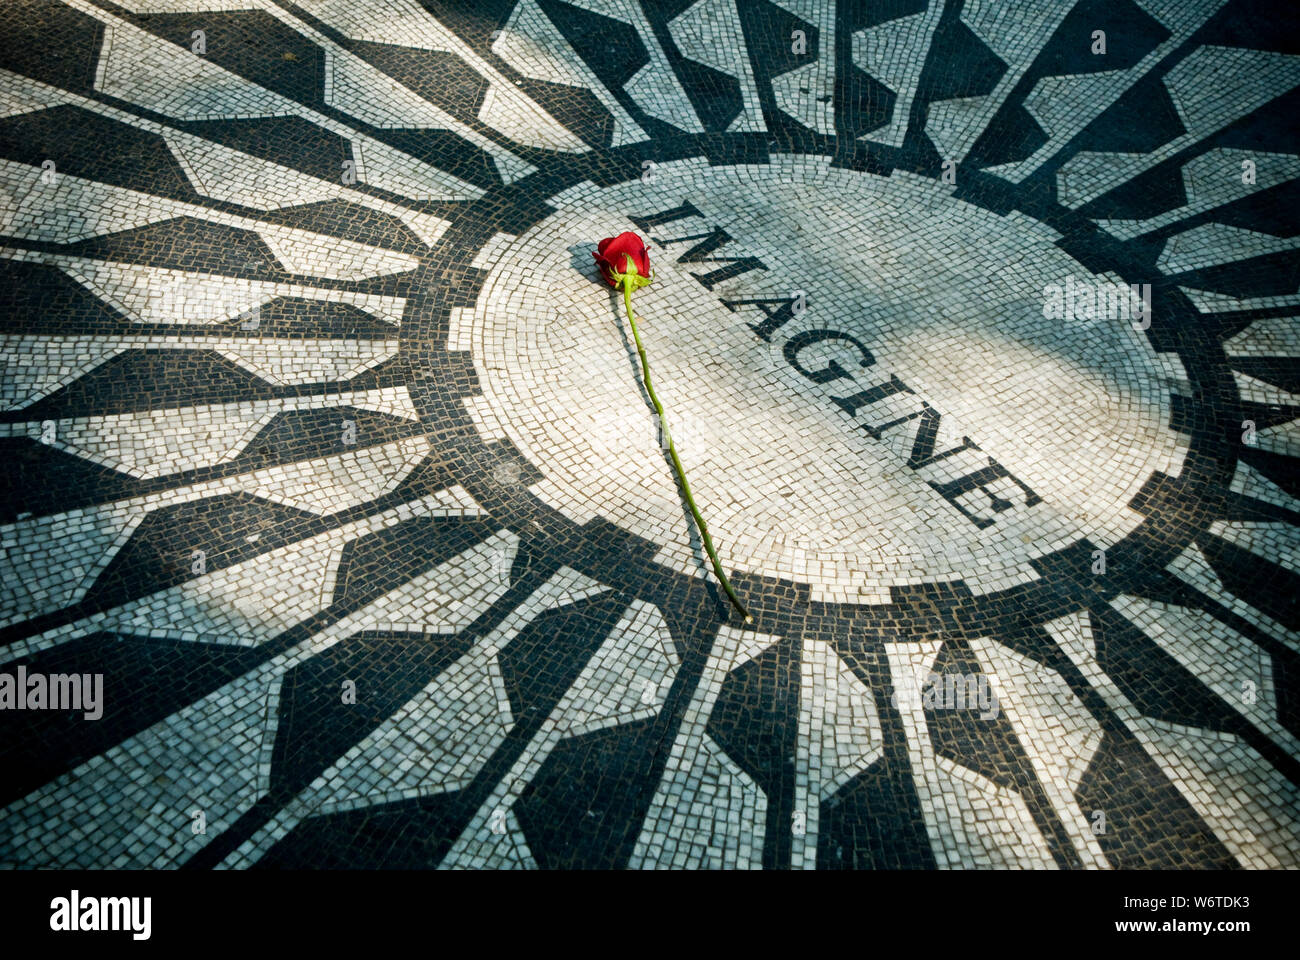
<point>336,528</point>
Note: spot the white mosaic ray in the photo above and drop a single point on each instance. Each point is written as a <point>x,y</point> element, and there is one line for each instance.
<point>532,45</point>
<point>1251,483</point>
<point>709,32</point>
<point>144,69</point>
<point>1269,337</point>
<point>336,259</point>
<point>894,53</point>
<point>1211,87</point>
<point>1211,180</point>
<point>72,208</point>
<point>1015,32</point>
<point>972,822</point>
<point>132,806</point>
<point>1060,736</point>
<point>626,680</point>
<point>1209,302</point>
<point>329,484</point>
<point>1257,391</point>
<point>174,82</point>
<point>38,366</point>
<point>439,740</point>
<point>162,295</point>
<point>19,95</point>
<point>1218,656</point>
<point>225,174</point>
<point>1218,774</point>
<point>1250,806</point>
<point>1064,105</point>
<point>1211,244</point>
<point>814,108</point>
<point>156,443</point>
<point>49,562</point>
<point>654,87</point>
<point>118,810</point>
<point>1283,438</point>
<point>503,847</point>
<point>405,23</point>
<point>1192,567</point>
<point>839,737</point>
<point>707,812</point>
<point>251,602</point>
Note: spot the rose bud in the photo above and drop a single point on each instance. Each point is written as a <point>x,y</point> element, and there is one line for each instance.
<point>613,253</point>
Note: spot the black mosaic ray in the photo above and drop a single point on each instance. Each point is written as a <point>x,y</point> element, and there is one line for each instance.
<point>146,679</point>
<point>1256,24</point>
<point>1272,275</point>
<point>577,108</point>
<point>68,481</point>
<point>767,30</point>
<point>317,724</point>
<point>447,151</point>
<point>875,821</point>
<point>715,96</point>
<point>756,720</point>
<point>1157,684</point>
<point>967,68</point>
<point>397,836</point>
<point>376,563</point>
<point>32,294</point>
<point>1131,34</point>
<point>308,434</point>
<point>1159,189</point>
<point>1148,823</point>
<point>442,78</point>
<point>143,379</point>
<point>289,141</point>
<point>989,746</point>
<point>159,553</point>
<point>43,479</point>
<point>249,43</point>
<point>50,42</point>
<point>613,51</point>
<point>1281,372</point>
<point>1142,118</point>
<point>184,243</point>
<point>94,147</point>
<point>583,808</point>
<point>1267,586</point>
<point>350,221</point>
<point>615,772</point>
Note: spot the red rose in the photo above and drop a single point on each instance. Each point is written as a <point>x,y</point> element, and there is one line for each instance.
<point>612,255</point>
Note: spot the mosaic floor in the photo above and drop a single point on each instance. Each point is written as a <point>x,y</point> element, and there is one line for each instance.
<point>337,528</point>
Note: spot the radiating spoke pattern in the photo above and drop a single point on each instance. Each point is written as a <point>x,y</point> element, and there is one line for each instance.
<point>337,531</point>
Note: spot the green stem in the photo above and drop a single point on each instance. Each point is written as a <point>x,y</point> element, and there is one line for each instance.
<point>672,452</point>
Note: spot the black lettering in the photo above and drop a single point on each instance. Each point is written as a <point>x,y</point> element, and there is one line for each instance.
<point>832,371</point>
<point>980,480</point>
<point>687,209</point>
<point>776,318</point>
<point>708,243</point>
